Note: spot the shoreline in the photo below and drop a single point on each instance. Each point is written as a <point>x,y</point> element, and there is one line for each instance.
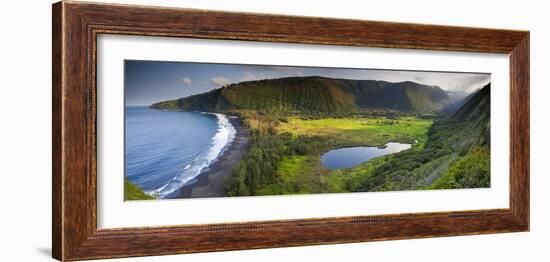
<point>211,182</point>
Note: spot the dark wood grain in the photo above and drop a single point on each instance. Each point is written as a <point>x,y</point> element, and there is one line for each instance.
<point>519,129</point>
<point>76,26</point>
<point>57,195</point>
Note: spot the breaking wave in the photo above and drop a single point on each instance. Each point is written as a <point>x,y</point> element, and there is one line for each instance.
<point>220,142</point>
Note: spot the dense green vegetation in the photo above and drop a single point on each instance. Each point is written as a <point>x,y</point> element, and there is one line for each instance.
<point>469,171</point>
<point>168,105</point>
<point>318,95</point>
<point>133,192</point>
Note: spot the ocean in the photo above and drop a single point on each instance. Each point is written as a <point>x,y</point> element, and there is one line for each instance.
<point>165,150</point>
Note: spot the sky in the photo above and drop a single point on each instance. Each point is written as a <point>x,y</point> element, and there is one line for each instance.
<point>148,82</point>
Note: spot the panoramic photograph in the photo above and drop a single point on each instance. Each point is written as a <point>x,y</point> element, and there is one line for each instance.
<point>198,130</point>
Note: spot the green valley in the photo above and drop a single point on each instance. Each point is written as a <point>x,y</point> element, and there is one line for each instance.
<point>293,121</point>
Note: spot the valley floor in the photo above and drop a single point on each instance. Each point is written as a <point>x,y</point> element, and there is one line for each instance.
<point>285,154</point>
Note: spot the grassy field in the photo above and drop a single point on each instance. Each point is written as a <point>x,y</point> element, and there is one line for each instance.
<point>361,131</point>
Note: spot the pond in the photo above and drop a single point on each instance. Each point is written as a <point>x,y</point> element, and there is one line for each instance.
<point>352,156</point>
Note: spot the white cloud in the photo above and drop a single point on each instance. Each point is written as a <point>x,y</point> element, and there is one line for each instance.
<point>449,81</point>
<point>220,81</point>
<point>186,81</point>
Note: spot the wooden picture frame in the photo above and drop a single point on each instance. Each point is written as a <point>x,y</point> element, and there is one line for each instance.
<point>76,26</point>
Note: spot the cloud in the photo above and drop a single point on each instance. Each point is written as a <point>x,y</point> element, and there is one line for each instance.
<point>449,81</point>
<point>186,81</point>
<point>220,81</point>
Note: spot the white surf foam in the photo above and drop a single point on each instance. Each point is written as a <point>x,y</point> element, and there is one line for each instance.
<point>220,142</point>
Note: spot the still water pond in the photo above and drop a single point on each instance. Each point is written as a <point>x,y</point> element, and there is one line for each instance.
<point>353,156</point>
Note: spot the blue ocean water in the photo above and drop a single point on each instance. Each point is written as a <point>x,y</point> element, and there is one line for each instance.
<point>352,156</point>
<point>164,150</point>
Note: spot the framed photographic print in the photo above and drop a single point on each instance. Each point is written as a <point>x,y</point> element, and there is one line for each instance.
<point>182,130</point>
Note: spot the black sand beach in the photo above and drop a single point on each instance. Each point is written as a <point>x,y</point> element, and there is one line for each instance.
<point>210,183</point>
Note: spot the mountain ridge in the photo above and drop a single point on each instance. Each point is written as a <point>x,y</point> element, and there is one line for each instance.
<point>317,94</point>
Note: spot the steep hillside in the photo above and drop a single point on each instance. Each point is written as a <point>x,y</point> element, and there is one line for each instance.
<point>477,106</point>
<point>317,94</point>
